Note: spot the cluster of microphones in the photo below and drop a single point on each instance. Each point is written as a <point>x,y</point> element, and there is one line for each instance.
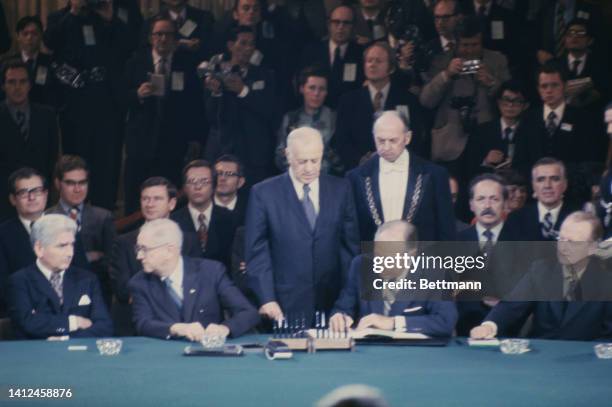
<point>297,327</point>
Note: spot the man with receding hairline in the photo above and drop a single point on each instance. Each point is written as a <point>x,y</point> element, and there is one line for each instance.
<point>301,234</point>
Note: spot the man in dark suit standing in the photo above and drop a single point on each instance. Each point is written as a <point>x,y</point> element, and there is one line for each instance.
<point>395,311</point>
<point>446,15</point>
<point>369,21</point>
<point>358,109</point>
<point>52,299</point>
<point>556,129</point>
<point>230,179</point>
<point>396,184</point>
<point>157,200</point>
<point>95,226</point>
<point>43,89</point>
<point>569,297</point>
<point>29,131</point>
<point>182,297</point>
<point>340,55</point>
<point>242,110</point>
<point>194,27</point>
<point>540,221</point>
<point>214,226</point>
<point>301,234</point>
<point>28,194</point>
<point>165,105</point>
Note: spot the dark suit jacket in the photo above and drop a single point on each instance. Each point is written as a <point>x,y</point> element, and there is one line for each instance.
<point>573,141</point>
<point>221,229</point>
<point>124,264</point>
<point>318,54</point>
<point>353,137</point>
<point>287,262</point>
<point>597,68</point>
<point>16,253</point>
<point>166,126</point>
<point>36,312</point>
<point>524,223</point>
<point>488,136</point>
<point>39,151</point>
<point>434,318</point>
<point>433,214</point>
<point>208,294</point>
<point>203,31</point>
<point>245,126</point>
<point>581,320</point>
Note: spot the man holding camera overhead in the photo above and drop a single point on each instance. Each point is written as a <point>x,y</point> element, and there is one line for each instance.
<point>463,83</point>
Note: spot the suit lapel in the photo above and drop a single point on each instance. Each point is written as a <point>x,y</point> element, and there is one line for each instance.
<point>158,291</point>
<point>294,202</point>
<point>44,286</point>
<point>190,292</point>
<point>213,230</point>
<point>69,289</point>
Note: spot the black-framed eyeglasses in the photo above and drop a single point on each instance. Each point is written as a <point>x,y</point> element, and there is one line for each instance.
<point>145,250</point>
<point>341,22</point>
<point>513,101</point>
<point>577,33</point>
<point>26,193</point>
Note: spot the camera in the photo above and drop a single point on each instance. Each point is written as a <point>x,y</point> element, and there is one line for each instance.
<point>465,105</point>
<point>470,67</point>
<point>402,26</point>
<point>217,68</point>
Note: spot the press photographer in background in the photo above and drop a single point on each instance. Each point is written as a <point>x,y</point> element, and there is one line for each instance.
<point>462,88</point>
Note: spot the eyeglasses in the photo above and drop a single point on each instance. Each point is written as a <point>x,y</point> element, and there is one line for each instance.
<point>167,34</point>
<point>444,17</point>
<point>341,22</point>
<point>577,33</point>
<point>71,183</point>
<point>513,101</point>
<point>227,174</point>
<point>200,182</point>
<point>26,193</point>
<point>145,250</point>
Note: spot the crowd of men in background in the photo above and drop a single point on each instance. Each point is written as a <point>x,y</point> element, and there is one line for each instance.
<point>279,137</point>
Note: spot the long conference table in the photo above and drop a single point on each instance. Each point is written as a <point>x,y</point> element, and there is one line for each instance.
<point>154,373</point>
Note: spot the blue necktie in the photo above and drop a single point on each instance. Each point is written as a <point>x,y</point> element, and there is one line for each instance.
<point>175,297</point>
<point>547,226</point>
<point>309,209</point>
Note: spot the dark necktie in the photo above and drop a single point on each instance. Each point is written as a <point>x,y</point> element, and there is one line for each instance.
<point>56,283</point>
<point>575,66</point>
<point>508,134</point>
<point>488,246</point>
<point>560,29</point>
<point>309,209</point>
<point>202,231</point>
<point>173,295</point>
<point>482,10</point>
<point>30,64</point>
<point>337,64</point>
<point>377,103</point>
<point>179,22</point>
<point>73,213</point>
<point>551,123</point>
<point>161,67</point>
<point>20,118</point>
<point>370,22</point>
<point>547,226</point>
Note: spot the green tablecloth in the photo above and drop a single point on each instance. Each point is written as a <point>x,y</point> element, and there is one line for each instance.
<point>153,372</point>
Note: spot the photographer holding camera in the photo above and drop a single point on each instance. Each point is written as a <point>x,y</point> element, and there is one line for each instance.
<point>462,88</point>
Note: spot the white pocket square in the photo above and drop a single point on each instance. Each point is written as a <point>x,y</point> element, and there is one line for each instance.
<point>413,309</point>
<point>85,300</point>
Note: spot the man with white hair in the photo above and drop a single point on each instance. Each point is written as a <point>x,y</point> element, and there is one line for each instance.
<point>396,184</point>
<point>182,297</point>
<point>50,298</point>
<point>301,234</point>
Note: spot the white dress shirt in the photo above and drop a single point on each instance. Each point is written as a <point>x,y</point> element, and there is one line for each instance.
<point>505,125</point>
<point>444,43</point>
<point>299,190</point>
<point>558,111</point>
<point>177,278</point>
<point>27,224</point>
<point>195,213</point>
<point>554,213</point>
<point>496,230</point>
<point>157,59</point>
<point>332,51</point>
<point>571,60</point>
<point>384,91</point>
<point>393,182</point>
<point>231,205</point>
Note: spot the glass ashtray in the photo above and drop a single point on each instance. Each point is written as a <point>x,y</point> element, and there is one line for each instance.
<point>514,346</point>
<point>213,341</point>
<point>603,350</point>
<point>109,347</point>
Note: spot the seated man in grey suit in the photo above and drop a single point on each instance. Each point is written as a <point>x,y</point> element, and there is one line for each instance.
<point>51,298</point>
<point>182,297</point>
<point>429,317</point>
<point>94,224</point>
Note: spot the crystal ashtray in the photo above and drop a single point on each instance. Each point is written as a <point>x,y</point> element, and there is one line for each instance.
<point>109,347</point>
<point>603,350</point>
<point>514,346</point>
